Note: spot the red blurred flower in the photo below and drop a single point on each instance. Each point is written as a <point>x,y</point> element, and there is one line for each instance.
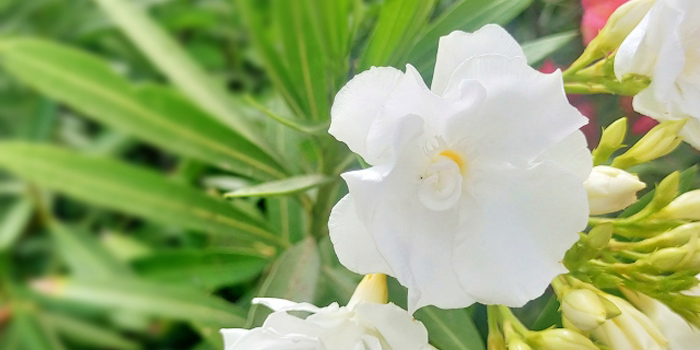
<point>595,15</point>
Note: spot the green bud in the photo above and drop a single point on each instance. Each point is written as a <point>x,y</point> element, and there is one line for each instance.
<point>518,344</point>
<point>668,259</point>
<point>600,235</point>
<point>583,309</point>
<point>666,191</point>
<point>610,141</point>
<point>658,142</point>
<point>686,206</point>
<point>560,339</point>
<point>620,24</point>
<point>673,238</point>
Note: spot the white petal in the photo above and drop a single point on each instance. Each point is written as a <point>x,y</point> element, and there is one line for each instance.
<point>231,336</point>
<point>397,327</point>
<point>262,339</point>
<point>458,46</point>
<point>680,334</point>
<point>415,242</point>
<point>530,218</point>
<point>357,104</point>
<point>353,244</point>
<point>526,111</point>
<point>276,304</point>
<point>573,154</point>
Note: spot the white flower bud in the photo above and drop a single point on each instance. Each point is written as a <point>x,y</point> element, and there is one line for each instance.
<point>372,289</point>
<point>583,309</point>
<point>630,330</point>
<point>686,206</point>
<point>611,189</point>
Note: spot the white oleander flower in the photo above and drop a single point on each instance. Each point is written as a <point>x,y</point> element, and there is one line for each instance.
<point>680,334</point>
<point>631,330</point>
<point>611,189</point>
<point>666,48</point>
<point>476,186</point>
<point>363,325</point>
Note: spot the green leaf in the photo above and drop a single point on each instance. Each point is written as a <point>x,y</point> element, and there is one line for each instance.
<point>33,334</point>
<point>294,276</point>
<point>209,269</point>
<point>14,221</point>
<point>288,218</point>
<point>144,297</point>
<point>152,113</point>
<point>282,187</point>
<point>130,189</point>
<point>549,316</point>
<point>686,181</point>
<point>84,255</point>
<point>466,15</point>
<point>450,329</point>
<point>86,333</point>
<point>172,60</point>
<point>398,26</point>
<point>538,50</point>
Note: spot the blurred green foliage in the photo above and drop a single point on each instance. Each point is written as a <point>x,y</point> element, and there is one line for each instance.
<point>122,135</point>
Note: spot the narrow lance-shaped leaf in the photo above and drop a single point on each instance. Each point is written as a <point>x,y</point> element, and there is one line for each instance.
<point>151,113</point>
<point>203,268</point>
<point>145,297</point>
<point>130,189</point>
<point>539,49</point>
<point>14,221</point>
<point>86,333</point>
<point>397,28</point>
<point>282,187</point>
<point>172,60</point>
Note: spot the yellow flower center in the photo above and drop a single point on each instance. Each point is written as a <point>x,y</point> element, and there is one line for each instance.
<point>455,158</point>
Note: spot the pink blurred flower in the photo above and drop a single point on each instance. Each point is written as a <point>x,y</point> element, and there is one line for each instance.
<point>595,15</point>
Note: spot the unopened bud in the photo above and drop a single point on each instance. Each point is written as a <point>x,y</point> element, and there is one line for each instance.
<point>518,344</point>
<point>583,309</point>
<point>600,235</point>
<point>658,142</point>
<point>561,339</point>
<point>673,238</point>
<point>372,289</point>
<point>611,189</point>
<point>621,23</point>
<point>669,259</point>
<point>666,191</point>
<point>610,141</point>
<point>630,329</point>
<point>686,207</point>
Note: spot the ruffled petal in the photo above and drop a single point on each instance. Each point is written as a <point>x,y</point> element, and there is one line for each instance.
<point>459,46</point>
<point>526,111</point>
<point>354,245</point>
<point>357,104</point>
<point>397,327</point>
<point>530,218</point>
<point>571,153</point>
<point>276,304</point>
<point>263,339</point>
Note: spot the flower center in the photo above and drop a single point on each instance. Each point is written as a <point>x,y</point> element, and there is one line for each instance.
<point>441,184</point>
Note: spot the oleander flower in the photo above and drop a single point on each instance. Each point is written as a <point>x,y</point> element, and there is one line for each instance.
<point>363,325</point>
<point>475,189</point>
<point>611,189</point>
<point>665,47</point>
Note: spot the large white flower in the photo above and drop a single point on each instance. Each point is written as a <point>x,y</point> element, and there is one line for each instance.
<point>665,46</point>
<point>476,185</point>
<point>364,326</point>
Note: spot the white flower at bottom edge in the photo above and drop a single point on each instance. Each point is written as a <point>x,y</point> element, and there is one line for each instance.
<point>665,46</point>
<point>476,186</point>
<point>680,334</point>
<point>365,326</point>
